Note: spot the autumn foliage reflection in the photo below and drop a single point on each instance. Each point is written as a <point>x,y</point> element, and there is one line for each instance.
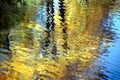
<point>63,49</point>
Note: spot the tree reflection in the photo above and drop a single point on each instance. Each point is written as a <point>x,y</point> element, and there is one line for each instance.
<point>48,43</point>
<point>65,49</point>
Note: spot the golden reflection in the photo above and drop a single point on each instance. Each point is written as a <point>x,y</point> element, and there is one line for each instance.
<point>77,39</point>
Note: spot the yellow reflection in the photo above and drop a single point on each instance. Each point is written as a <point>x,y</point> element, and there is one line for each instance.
<point>78,46</point>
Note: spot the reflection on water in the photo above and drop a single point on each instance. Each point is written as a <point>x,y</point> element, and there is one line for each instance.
<point>111,58</point>
<point>59,40</point>
<point>107,66</point>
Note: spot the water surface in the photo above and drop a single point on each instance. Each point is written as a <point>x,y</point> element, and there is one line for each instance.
<point>60,40</point>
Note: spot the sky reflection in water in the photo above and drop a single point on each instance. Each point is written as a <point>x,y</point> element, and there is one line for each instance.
<point>110,60</point>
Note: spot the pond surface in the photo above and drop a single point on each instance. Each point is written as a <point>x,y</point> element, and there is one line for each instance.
<point>60,40</point>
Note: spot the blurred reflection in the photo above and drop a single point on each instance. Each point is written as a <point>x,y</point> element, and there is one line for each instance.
<point>109,60</point>
<point>56,39</point>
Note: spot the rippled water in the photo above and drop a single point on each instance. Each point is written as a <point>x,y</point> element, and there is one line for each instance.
<point>60,40</point>
<point>111,66</point>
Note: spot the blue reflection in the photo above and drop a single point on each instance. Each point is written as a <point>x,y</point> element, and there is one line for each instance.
<point>41,16</point>
<point>112,59</point>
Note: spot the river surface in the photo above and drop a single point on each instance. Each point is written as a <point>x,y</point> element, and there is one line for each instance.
<point>60,40</point>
